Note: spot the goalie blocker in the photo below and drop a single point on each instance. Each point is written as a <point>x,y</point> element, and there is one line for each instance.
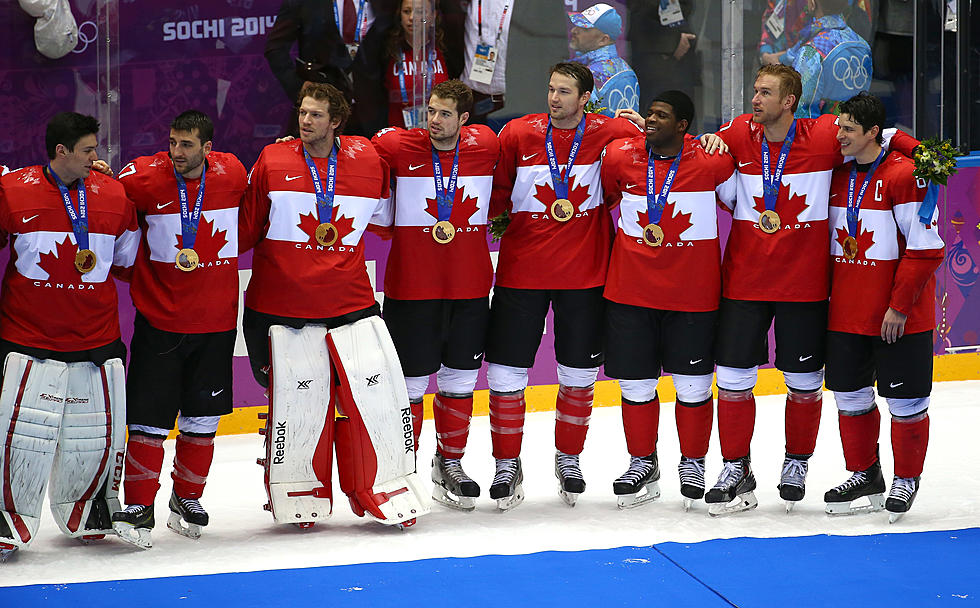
<point>65,426</point>
<point>339,389</point>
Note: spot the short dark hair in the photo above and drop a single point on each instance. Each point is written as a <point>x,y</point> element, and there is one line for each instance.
<point>457,91</point>
<point>866,110</point>
<point>66,128</point>
<point>194,120</point>
<point>680,103</point>
<point>790,81</point>
<point>337,104</point>
<point>577,72</point>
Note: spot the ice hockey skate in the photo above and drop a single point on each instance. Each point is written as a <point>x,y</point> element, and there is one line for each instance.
<point>506,488</point>
<point>453,487</point>
<point>639,484</point>
<point>571,484</point>
<point>134,524</point>
<point>845,499</point>
<point>691,472</point>
<point>734,491</point>
<point>7,552</point>
<point>187,516</point>
<point>900,497</point>
<point>792,481</point>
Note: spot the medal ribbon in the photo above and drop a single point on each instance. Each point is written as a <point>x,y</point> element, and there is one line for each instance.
<point>324,195</point>
<point>79,221</point>
<point>770,182</point>
<point>559,183</point>
<point>657,202</point>
<point>854,205</point>
<point>359,22</point>
<point>189,220</point>
<point>403,67</point>
<point>445,195</point>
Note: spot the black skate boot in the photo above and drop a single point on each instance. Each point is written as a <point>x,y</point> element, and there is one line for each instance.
<point>506,488</point>
<point>792,481</point>
<point>691,472</point>
<point>570,481</point>
<point>133,525</point>
<point>901,496</point>
<point>187,516</point>
<point>453,487</point>
<point>869,482</point>
<point>639,484</point>
<point>734,490</point>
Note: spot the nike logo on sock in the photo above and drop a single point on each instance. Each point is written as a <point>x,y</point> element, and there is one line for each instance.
<point>477,356</point>
<point>802,358</point>
<point>895,384</point>
<point>594,356</point>
<point>216,393</point>
<point>696,361</point>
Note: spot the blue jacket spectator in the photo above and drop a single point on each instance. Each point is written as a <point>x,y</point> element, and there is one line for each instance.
<point>835,64</point>
<point>593,42</point>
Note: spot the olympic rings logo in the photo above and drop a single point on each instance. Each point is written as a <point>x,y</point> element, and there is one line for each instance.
<point>852,72</point>
<point>86,36</point>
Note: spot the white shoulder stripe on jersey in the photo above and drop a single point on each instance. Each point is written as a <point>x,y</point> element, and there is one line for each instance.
<point>917,236</point>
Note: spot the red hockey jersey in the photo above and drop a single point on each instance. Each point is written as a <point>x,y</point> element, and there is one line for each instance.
<point>293,275</point>
<point>206,298</point>
<point>537,251</point>
<point>46,302</point>
<point>418,267</point>
<point>684,272</point>
<point>897,254</point>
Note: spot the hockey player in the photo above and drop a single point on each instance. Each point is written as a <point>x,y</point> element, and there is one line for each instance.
<point>62,404</point>
<point>666,186</point>
<point>185,290</point>
<point>555,252</point>
<point>438,276</point>
<point>884,252</point>
<point>332,366</point>
<point>775,271</point>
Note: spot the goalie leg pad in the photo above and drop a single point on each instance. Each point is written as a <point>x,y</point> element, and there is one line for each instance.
<point>375,445</point>
<point>32,402</point>
<point>88,464</point>
<point>299,433</point>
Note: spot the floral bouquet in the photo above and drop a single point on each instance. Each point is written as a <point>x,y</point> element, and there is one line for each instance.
<point>935,161</point>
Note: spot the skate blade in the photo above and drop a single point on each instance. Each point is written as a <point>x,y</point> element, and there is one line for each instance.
<point>876,502</point>
<point>178,525</point>
<point>509,502</point>
<point>570,498</point>
<point>138,537</point>
<point>688,503</point>
<point>649,493</point>
<point>7,552</point>
<point>742,502</point>
<point>894,517</point>
<point>460,503</point>
<point>789,505</point>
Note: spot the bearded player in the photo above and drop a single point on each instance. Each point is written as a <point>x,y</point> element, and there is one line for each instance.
<point>185,290</point>
<point>553,254</point>
<point>438,275</point>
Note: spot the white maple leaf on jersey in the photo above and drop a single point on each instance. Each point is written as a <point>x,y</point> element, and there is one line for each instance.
<point>352,148</point>
<point>156,162</point>
<point>539,124</point>
<point>218,168</point>
<point>93,188</point>
<point>31,176</point>
<point>470,140</point>
<point>596,123</point>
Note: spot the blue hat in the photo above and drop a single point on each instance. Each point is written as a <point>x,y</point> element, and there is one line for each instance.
<point>601,16</point>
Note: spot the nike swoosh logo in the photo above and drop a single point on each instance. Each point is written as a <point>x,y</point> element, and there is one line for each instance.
<point>216,393</point>
<point>414,167</point>
<point>27,219</point>
<point>696,362</point>
<point>893,384</point>
<point>477,356</point>
<point>290,178</point>
<point>832,195</point>
<point>594,356</point>
<point>802,359</point>
<point>529,156</point>
<point>628,186</point>
<point>740,165</point>
<point>159,206</point>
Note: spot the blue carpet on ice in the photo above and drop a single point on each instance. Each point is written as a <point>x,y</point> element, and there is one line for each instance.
<point>913,569</point>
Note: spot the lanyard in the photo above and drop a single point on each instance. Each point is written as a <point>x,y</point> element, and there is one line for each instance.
<point>500,27</point>
<point>324,195</point>
<point>189,219</point>
<point>357,27</point>
<point>657,202</point>
<point>445,195</point>
<point>403,67</point>
<point>559,181</point>
<point>79,221</point>
<point>770,182</point>
<point>854,204</point>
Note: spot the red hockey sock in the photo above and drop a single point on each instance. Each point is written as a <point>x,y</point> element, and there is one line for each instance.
<point>506,423</point>
<point>802,421</point>
<point>694,427</point>
<point>910,438</point>
<point>191,465</point>
<point>641,422</point>
<point>144,459</point>
<point>418,413</point>
<point>736,421</point>
<point>859,437</point>
<point>452,417</point>
<point>572,412</point>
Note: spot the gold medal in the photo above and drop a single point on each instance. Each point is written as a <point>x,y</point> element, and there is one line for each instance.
<point>769,221</point>
<point>85,261</point>
<point>326,234</point>
<point>443,232</point>
<point>187,259</point>
<point>653,235</point>
<point>850,246</point>
<point>562,210</point>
